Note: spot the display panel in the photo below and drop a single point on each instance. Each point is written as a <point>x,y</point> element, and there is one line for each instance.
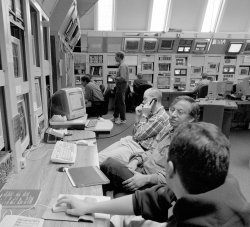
<point>234,47</point>
<point>166,44</point>
<point>131,44</point>
<point>149,45</point>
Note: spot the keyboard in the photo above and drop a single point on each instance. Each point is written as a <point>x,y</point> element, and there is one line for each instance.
<point>64,152</point>
<point>91,123</point>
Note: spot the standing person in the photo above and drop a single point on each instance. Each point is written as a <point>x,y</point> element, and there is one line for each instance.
<point>121,80</point>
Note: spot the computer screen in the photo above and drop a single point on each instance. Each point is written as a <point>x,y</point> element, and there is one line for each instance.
<point>69,102</point>
<point>234,47</point>
<point>166,44</point>
<point>149,44</point>
<point>131,44</point>
<point>219,89</point>
<point>110,79</point>
<point>244,86</point>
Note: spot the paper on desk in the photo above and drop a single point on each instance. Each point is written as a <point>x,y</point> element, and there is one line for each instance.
<point>21,221</point>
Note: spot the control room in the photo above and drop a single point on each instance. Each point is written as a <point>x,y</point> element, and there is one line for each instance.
<point>124,113</point>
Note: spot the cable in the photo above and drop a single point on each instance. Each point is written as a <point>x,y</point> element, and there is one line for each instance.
<point>117,133</point>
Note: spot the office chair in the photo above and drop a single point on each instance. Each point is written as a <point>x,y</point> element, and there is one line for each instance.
<point>100,108</point>
<point>202,91</point>
<point>138,96</point>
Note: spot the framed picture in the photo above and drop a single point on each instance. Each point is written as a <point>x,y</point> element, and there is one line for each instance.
<point>244,71</point>
<point>17,62</point>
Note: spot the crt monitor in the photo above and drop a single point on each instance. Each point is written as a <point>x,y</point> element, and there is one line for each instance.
<point>68,102</point>
<point>243,87</point>
<point>219,89</point>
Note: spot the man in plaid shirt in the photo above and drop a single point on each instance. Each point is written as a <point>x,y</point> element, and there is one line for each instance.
<point>151,118</point>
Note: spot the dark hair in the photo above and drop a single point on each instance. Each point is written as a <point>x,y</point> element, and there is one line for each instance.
<point>195,111</point>
<point>200,154</point>
<point>85,79</point>
<point>120,55</point>
<point>204,75</point>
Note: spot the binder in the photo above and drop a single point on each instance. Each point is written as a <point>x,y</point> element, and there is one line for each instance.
<point>86,176</point>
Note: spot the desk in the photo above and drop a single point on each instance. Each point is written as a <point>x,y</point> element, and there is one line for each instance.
<point>42,174</point>
<point>218,112</point>
<point>168,95</point>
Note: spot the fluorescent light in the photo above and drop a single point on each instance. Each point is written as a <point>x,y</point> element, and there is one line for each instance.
<point>158,15</point>
<point>105,15</point>
<point>211,15</point>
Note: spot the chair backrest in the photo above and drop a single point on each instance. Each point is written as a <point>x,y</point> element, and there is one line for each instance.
<point>202,91</point>
<point>142,88</point>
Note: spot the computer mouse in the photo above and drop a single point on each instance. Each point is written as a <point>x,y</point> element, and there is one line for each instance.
<point>61,208</point>
<point>61,169</point>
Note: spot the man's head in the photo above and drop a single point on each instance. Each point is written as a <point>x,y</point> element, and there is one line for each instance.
<point>119,56</point>
<point>198,158</point>
<point>85,80</point>
<point>139,76</point>
<point>150,94</point>
<point>183,109</point>
<point>204,76</point>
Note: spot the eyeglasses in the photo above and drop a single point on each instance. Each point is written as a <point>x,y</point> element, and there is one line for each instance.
<point>172,110</point>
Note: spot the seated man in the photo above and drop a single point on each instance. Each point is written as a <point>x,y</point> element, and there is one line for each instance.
<point>148,168</point>
<point>150,119</point>
<point>204,81</point>
<point>197,169</point>
<point>92,94</point>
<point>138,82</point>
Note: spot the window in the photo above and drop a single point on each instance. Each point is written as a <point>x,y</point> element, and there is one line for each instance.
<point>211,17</point>
<point>158,17</point>
<point>105,9</point>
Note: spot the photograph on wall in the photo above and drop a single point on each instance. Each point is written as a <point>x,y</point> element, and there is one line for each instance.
<point>244,71</point>
<point>213,67</point>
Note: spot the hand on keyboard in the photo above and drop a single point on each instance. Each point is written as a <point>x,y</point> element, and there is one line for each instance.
<point>64,152</point>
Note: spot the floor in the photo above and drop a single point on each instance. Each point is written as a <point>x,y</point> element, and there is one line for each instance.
<point>240,149</point>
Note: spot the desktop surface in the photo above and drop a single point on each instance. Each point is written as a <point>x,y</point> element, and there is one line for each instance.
<point>40,173</point>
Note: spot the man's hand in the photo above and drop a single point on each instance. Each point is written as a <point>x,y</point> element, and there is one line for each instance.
<point>76,207</point>
<point>133,164</point>
<point>135,182</point>
<point>147,108</point>
<point>138,109</point>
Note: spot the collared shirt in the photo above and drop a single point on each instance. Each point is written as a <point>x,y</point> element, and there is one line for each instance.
<point>154,160</point>
<point>122,74</point>
<point>146,132</point>
<point>93,92</point>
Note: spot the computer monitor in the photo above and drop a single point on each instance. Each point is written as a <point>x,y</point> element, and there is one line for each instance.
<point>219,89</point>
<point>234,47</point>
<point>244,87</point>
<point>23,122</point>
<point>110,79</point>
<point>68,102</point>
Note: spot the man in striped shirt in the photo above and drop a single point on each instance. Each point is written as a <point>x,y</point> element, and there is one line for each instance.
<point>151,117</point>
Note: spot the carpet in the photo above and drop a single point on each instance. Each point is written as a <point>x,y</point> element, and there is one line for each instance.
<point>118,131</point>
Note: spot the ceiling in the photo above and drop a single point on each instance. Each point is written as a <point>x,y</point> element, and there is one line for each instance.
<point>185,15</point>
